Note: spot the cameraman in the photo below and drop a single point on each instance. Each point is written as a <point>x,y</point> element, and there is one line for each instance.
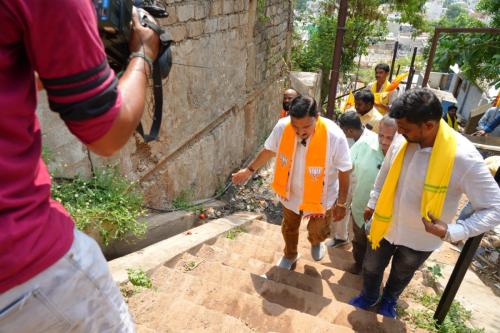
<point>54,278</point>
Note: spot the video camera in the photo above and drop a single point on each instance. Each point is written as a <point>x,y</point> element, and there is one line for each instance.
<point>114,17</point>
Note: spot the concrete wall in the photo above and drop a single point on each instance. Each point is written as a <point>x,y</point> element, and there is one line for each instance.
<point>469,95</point>
<point>307,83</point>
<point>469,99</point>
<point>221,100</point>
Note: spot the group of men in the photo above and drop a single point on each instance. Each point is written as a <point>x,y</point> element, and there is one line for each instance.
<point>54,278</point>
<point>401,180</point>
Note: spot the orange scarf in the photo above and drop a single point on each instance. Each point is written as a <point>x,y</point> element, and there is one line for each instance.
<point>315,167</point>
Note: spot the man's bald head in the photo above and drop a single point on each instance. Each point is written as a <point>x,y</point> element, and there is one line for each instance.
<point>386,132</point>
<point>288,96</point>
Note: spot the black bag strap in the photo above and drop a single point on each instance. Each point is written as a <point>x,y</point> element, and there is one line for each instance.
<point>158,111</point>
<point>158,73</point>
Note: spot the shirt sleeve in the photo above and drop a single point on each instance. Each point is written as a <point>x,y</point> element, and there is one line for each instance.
<point>273,141</point>
<point>394,95</point>
<point>490,127</point>
<point>484,195</point>
<point>65,49</point>
<point>484,119</point>
<point>341,154</point>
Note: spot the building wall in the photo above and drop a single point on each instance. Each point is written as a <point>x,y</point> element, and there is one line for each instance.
<point>221,100</point>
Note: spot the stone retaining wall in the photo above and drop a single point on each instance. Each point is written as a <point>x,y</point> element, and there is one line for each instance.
<point>221,100</point>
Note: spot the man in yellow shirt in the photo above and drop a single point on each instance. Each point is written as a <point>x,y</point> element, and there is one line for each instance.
<point>370,117</point>
<point>378,86</point>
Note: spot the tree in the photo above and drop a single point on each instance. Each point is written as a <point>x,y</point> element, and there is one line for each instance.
<point>478,55</point>
<point>492,8</point>
<point>366,24</point>
<point>301,5</point>
<point>454,11</point>
<point>447,3</point>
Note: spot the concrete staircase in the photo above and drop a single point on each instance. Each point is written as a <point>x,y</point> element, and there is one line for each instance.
<point>233,285</point>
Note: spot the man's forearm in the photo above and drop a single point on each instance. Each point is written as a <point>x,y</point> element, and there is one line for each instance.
<point>132,85</point>
<point>343,186</point>
<point>262,158</point>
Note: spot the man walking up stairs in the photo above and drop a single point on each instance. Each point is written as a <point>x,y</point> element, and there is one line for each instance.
<point>311,175</point>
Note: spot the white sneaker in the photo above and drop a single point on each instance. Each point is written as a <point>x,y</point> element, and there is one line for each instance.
<point>318,251</point>
<point>286,263</point>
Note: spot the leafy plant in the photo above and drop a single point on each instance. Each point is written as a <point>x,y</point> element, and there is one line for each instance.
<point>190,265</point>
<point>261,11</point>
<point>46,154</point>
<point>221,188</point>
<point>107,203</point>
<point>455,321</point>
<point>233,233</point>
<point>183,202</point>
<point>478,63</point>
<point>436,270</point>
<point>139,278</point>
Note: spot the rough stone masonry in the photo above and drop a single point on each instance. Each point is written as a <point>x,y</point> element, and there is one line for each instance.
<point>221,100</point>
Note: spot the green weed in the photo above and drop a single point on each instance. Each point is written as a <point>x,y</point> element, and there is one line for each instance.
<point>139,278</point>
<point>233,233</point>
<point>107,203</point>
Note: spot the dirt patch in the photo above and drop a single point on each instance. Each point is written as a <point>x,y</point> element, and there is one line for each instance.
<point>255,196</point>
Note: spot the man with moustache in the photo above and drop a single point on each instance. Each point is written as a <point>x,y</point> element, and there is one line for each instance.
<point>311,175</point>
<point>288,96</point>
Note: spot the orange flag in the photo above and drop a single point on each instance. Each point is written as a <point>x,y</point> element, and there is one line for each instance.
<point>395,83</point>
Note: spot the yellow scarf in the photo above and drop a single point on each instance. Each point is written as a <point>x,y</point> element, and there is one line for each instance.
<point>451,123</point>
<point>314,171</point>
<point>435,187</point>
<point>349,102</point>
<point>381,96</point>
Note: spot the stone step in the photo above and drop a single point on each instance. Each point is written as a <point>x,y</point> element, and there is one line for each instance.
<point>339,259</point>
<point>330,309</point>
<point>257,229</point>
<point>257,313</point>
<point>272,231</point>
<point>179,315</point>
<point>218,271</point>
<point>264,249</point>
<point>304,276</point>
<point>145,329</point>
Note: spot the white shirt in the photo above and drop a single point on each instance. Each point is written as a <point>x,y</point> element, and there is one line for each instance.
<point>338,158</point>
<point>470,176</point>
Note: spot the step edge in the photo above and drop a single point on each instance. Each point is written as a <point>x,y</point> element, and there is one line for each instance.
<point>156,254</point>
